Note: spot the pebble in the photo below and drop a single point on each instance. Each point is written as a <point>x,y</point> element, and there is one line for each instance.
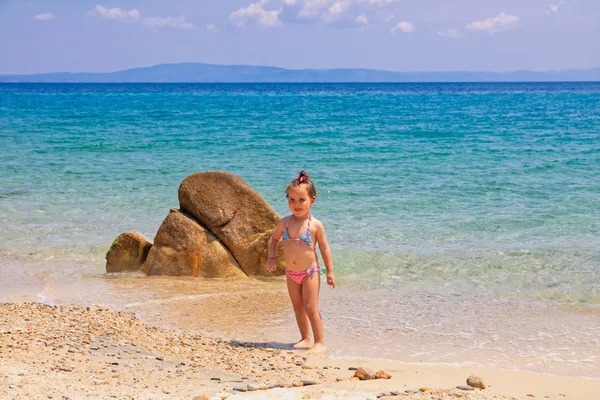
<point>309,383</point>
<point>382,375</point>
<point>464,387</point>
<point>425,389</point>
<point>240,388</point>
<point>252,387</point>
<point>364,373</point>
<point>411,391</point>
<point>476,382</point>
<point>215,379</point>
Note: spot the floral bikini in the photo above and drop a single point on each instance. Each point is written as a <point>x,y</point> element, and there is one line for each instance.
<point>298,276</point>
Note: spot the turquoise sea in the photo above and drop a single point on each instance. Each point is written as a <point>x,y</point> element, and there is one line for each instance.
<point>451,209</point>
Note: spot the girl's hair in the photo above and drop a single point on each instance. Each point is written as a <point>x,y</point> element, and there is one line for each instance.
<point>303,179</point>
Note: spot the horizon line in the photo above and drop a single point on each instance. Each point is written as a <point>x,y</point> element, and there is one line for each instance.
<point>306,69</point>
<point>292,83</point>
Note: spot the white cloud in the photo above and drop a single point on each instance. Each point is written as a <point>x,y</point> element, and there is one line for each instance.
<point>44,17</point>
<point>554,7</point>
<point>167,22</point>
<point>336,11</point>
<point>211,28</point>
<point>404,26</point>
<point>493,25</point>
<point>339,7</point>
<point>450,33</point>
<point>255,11</point>
<point>313,8</point>
<point>341,13</point>
<point>133,15</point>
<point>115,13</point>
<point>362,20</point>
<point>317,8</point>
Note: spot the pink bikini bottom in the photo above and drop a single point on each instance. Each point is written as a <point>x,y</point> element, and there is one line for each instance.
<point>298,276</point>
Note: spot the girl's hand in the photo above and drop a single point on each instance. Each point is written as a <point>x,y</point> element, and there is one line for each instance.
<point>331,279</point>
<point>271,265</point>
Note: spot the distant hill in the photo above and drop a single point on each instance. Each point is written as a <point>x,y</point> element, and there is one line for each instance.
<point>209,73</point>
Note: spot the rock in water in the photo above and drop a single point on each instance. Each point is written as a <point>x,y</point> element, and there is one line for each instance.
<point>127,253</point>
<point>182,247</point>
<point>236,214</point>
<point>476,382</point>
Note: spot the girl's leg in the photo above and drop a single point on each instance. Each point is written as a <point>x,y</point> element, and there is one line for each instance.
<point>310,294</point>
<point>295,291</point>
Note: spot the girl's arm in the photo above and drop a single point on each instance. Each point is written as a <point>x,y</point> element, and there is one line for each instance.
<point>326,254</point>
<point>272,244</point>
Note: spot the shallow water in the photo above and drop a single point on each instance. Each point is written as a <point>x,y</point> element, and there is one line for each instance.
<point>398,321</point>
<point>464,218</point>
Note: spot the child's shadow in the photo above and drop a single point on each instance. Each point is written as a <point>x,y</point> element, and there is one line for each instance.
<point>264,345</point>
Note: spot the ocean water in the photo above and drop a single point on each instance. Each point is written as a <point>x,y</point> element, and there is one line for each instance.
<point>444,204</point>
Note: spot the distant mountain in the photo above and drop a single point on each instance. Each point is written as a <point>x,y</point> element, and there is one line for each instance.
<point>209,73</point>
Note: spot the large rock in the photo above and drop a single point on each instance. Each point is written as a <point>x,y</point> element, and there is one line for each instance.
<point>127,253</point>
<point>182,247</point>
<point>236,214</point>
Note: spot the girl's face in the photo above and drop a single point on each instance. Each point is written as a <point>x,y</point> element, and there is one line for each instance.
<point>299,201</point>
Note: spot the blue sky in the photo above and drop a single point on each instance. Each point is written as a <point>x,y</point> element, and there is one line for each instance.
<point>401,35</point>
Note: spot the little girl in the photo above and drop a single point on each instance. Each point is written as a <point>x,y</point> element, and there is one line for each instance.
<point>300,234</point>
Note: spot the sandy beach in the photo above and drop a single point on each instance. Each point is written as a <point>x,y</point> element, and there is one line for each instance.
<point>75,352</point>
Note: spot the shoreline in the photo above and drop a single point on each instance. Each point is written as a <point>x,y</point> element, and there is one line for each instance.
<point>92,352</point>
<point>410,324</point>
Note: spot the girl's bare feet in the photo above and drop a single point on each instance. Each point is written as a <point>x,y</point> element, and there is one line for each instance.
<point>303,344</point>
<point>318,348</point>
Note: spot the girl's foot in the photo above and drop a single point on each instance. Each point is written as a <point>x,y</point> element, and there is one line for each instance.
<point>303,344</point>
<point>318,348</point>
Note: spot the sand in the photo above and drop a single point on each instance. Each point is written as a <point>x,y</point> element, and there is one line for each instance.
<point>75,352</point>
